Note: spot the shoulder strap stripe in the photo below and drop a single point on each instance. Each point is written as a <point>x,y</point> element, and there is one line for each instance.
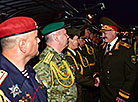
<point>48,57</point>
<point>3,76</point>
<point>125,44</point>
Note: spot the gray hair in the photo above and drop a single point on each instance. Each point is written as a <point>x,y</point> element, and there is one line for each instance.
<point>10,42</point>
<point>50,37</point>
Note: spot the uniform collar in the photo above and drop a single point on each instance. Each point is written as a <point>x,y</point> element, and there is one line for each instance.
<point>50,49</point>
<point>112,43</point>
<point>74,53</point>
<point>12,70</point>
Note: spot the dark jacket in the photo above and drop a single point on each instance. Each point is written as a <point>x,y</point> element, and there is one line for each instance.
<point>118,72</point>
<point>18,86</point>
<point>83,82</point>
<point>136,82</point>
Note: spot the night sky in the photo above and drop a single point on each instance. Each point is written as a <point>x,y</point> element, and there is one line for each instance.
<point>123,12</point>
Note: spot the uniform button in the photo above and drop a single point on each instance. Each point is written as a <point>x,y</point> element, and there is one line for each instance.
<point>108,71</point>
<point>108,78</point>
<point>108,84</point>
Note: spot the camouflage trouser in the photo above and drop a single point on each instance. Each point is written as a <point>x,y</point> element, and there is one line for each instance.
<point>61,97</point>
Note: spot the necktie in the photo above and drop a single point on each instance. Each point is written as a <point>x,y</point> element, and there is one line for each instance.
<point>107,49</point>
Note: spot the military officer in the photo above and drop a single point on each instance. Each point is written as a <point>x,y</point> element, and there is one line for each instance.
<point>53,69</point>
<point>117,65</point>
<point>89,51</point>
<point>83,81</point>
<point>19,44</point>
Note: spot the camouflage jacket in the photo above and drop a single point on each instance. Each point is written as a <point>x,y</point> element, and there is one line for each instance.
<point>57,75</point>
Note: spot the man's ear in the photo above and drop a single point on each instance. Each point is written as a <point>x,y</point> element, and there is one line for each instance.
<point>22,45</point>
<point>55,37</point>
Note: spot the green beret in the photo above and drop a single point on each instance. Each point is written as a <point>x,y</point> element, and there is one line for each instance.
<point>52,27</point>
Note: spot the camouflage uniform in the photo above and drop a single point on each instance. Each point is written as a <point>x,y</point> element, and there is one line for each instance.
<point>57,75</point>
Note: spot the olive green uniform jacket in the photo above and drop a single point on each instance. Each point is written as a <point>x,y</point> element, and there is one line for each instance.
<point>83,81</point>
<point>118,72</point>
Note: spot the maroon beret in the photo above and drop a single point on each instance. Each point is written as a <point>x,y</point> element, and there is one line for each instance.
<point>17,25</point>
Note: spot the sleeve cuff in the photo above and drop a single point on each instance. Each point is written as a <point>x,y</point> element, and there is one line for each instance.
<point>96,74</point>
<point>123,94</point>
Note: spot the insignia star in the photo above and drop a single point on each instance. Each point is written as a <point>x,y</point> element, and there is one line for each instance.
<point>15,90</point>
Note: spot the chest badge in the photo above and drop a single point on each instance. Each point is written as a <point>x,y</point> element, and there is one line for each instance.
<point>133,59</point>
<point>110,53</point>
<point>15,90</point>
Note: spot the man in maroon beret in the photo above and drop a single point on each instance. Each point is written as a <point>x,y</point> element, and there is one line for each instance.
<point>19,44</point>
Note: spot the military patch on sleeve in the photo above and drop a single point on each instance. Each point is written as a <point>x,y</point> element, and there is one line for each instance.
<point>133,59</point>
<point>3,75</point>
<point>125,44</point>
<point>48,57</point>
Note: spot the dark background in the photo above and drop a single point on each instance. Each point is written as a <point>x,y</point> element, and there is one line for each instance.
<point>123,12</point>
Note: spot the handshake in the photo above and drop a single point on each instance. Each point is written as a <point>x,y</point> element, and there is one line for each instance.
<point>97,82</point>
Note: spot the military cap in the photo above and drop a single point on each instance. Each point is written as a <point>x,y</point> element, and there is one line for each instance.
<point>85,26</point>
<point>90,27</point>
<point>52,27</point>
<point>16,26</point>
<point>73,31</point>
<point>108,25</point>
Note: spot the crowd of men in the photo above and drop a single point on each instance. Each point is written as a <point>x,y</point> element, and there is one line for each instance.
<point>75,65</point>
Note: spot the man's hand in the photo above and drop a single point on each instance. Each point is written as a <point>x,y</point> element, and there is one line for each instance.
<point>119,100</point>
<point>97,82</point>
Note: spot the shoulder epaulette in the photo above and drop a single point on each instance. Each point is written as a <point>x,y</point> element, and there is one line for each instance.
<point>48,57</point>
<point>3,75</point>
<point>125,44</point>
